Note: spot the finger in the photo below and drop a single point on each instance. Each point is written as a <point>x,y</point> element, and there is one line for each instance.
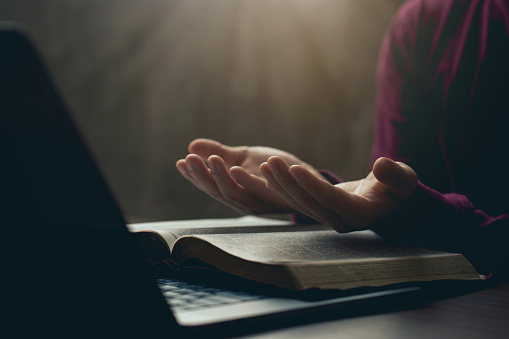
<point>182,168</point>
<point>333,200</point>
<point>207,147</point>
<point>328,194</point>
<point>258,186</point>
<point>202,179</point>
<point>399,179</point>
<point>298,196</point>
<point>275,186</point>
<point>200,175</point>
<point>231,190</point>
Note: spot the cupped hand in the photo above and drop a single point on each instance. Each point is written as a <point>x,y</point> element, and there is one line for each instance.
<point>231,175</point>
<point>347,206</point>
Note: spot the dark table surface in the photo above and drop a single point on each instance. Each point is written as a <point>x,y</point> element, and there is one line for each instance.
<point>450,311</point>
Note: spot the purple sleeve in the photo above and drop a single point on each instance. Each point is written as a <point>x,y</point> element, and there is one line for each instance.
<point>442,97</point>
<point>450,222</point>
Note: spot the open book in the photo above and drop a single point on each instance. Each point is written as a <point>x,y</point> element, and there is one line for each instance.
<point>293,256</point>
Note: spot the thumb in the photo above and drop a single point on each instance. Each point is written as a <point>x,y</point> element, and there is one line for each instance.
<point>207,147</point>
<point>400,178</point>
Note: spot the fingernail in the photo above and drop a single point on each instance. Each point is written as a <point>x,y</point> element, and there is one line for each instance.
<point>234,176</point>
<point>191,166</point>
<point>213,167</point>
<point>295,174</point>
<point>182,170</point>
<point>264,170</point>
<point>274,168</point>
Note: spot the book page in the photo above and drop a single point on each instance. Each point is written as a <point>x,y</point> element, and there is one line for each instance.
<point>246,221</point>
<point>171,235</point>
<point>305,247</point>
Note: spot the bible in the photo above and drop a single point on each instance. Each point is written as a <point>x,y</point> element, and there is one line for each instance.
<point>293,256</point>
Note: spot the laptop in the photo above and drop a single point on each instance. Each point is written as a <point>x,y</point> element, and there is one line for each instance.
<point>71,268</point>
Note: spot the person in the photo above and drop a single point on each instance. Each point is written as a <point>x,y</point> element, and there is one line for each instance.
<point>440,150</point>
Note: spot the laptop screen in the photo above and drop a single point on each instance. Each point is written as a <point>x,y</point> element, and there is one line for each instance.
<point>74,270</point>
<point>50,163</point>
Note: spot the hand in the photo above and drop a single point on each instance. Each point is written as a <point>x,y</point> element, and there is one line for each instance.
<point>347,206</point>
<point>233,176</point>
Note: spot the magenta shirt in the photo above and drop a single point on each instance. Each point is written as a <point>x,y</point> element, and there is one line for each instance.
<point>442,108</point>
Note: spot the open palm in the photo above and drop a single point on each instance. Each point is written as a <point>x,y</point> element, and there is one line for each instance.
<point>231,175</point>
<point>347,206</point>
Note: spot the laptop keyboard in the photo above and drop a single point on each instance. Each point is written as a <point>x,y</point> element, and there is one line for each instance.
<point>186,296</point>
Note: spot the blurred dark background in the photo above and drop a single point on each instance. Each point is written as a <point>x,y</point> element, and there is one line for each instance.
<point>143,78</point>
